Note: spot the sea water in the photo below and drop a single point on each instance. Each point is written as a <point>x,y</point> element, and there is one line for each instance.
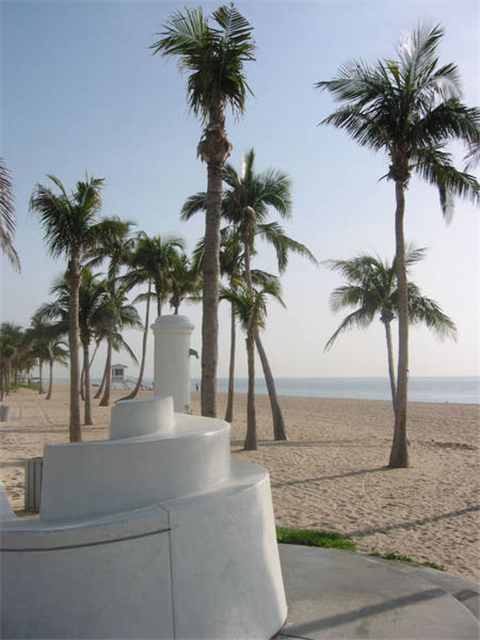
<point>464,390</point>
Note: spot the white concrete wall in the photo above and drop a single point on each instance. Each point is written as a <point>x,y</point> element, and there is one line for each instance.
<point>172,360</point>
<point>108,476</point>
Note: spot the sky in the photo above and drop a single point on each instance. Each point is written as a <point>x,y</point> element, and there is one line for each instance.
<point>82,93</point>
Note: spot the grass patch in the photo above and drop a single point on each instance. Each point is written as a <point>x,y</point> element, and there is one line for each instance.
<point>333,540</point>
<point>34,386</point>
<point>391,555</point>
<point>314,538</point>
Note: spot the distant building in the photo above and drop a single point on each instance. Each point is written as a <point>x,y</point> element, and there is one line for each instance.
<point>118,372</point>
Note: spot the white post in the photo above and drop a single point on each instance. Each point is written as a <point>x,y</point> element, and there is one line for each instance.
<point>171,376</point>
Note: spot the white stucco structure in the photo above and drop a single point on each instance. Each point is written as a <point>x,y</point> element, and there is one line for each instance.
<point>154,533</point>
<point>172,360</point>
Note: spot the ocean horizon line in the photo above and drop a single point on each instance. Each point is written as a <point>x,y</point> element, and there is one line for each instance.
<point>437,389</point>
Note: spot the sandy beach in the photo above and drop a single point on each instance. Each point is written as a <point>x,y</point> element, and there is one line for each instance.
<point>331,474</point>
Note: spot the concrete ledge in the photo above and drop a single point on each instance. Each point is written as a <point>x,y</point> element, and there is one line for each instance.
<point>104,477</point>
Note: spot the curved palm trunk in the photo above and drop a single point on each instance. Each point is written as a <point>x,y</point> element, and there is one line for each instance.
<point>50,380</point>
<point>102,383</point>
<point>40,376</point>
<point>278,422</point>
<point>74,347</point>
<point>144,349</point>
<point>399,452</point>
<point>211,275</point>
<point>251,437</point>
<point>105,401</point>
<point>88,419</point>
<point>391,368</point>
<point>231,371</point>
<point>277,416</point>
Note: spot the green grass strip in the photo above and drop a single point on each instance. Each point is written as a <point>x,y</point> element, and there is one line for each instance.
<point>314,538</point>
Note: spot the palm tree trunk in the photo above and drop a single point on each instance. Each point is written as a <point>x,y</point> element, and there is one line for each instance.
<point>40,376</point>
<point>251,437</point>
<point>50,381</point>
<point>391,367</point>
<point>231,371</point>
<point>73,343</point>
<point>88,399</point>
<point>102,383</point>
<point>277,416</point>
<point>105,401</point>
<point>211,275</point>
<point>135,391</point>
<point>399,452</point>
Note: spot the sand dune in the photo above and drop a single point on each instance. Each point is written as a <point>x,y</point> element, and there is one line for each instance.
<point>331,474</point>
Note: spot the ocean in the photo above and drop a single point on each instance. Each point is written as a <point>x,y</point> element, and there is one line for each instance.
<point>464,390</point>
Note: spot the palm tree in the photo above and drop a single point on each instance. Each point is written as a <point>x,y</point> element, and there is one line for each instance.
<point>7,217</point>
<point>117,249</point>
<point>94,312</point>
<point>250,308</point>
<point>186,282</point>
<point>119,315</point>
<point>410,109</point>
<point>71,229</point>
<point>215,58</point>
<point>372,290</point>
<point>12,335</point>
<point>151,263</point>
<point>246,206</point>
<point>56,352</point>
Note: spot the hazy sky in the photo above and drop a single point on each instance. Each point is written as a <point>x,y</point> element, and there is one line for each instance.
<point>81,92</point>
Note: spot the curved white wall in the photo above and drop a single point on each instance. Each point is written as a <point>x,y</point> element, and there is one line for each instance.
<point>92,478</point>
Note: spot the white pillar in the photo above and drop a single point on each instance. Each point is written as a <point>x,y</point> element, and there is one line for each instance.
<point>171,376</point>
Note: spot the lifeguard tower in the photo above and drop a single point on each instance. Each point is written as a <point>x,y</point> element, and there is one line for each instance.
<point>118,374</point>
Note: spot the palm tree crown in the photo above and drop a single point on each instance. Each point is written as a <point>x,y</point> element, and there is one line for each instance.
<point>7,217</point>
<point>410,109</point>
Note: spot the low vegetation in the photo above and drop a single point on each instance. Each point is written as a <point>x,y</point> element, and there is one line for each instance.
<point>333,540</point>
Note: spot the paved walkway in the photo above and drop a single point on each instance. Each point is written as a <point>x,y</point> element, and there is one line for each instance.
<point>339,594</point>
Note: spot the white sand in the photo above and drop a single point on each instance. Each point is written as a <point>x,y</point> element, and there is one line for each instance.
<point>331,474</point>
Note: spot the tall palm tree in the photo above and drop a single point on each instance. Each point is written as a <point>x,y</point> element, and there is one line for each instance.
<point>13,335</point>
<point>371,289</point>
<point>119,315</point>
<point>250,309</point>
<point>151,263</point>
<point>410,109</point>
<point>56,352</point>
<point>117,249</point>
<point>246,206</point>
<point>7,217</point>
<point>214,57</point>
<point>186,282</point>
<point>93,312</point>
<point>71,229</point>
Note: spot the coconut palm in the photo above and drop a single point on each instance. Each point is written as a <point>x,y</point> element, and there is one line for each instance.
<point>250,309</point>
<point>13,336</point>
<point>151,263</point>
<point>93,312</point>
<point>7,217</point>
<point>119,315</point>
<point>372,290</point>
<point>410,109</point>
<point>56,353</point>
<point>186,282</point>
<point>214,57</point>
<point>117,249</point>
<point>246,206</point>
<point>71,229</point>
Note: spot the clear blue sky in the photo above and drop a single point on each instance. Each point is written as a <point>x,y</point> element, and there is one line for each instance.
<point>81,92</point>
